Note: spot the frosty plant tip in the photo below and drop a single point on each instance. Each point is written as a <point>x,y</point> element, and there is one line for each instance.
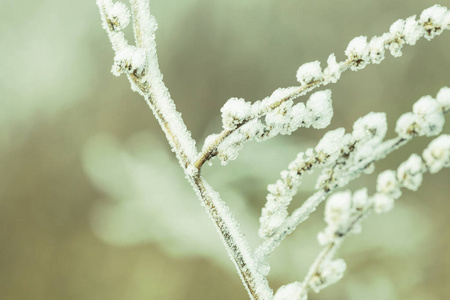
<point>340,156</point>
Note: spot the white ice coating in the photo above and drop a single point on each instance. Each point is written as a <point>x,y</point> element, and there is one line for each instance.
<point>291,291</point>
<point>437,154</point>
<point>412,30</point>
<point>409,173</point>
<point>331,143</point>
<point>242,119</point>
<point>309,72</point>
<point>358,51</point>
<point>332,72</point>
<point>387,183</point>
<point>443,97</point>
<point>140,64</point>
<point>234,112</point>
<point>435,16</point>
<point>376,50</point>
<point>370,128</point>
<point>119,15</point>
<point>329,273</point>
<point>426,119</point>
<point>383,203</point>
<point>320,108</point>
<point>337,208</point>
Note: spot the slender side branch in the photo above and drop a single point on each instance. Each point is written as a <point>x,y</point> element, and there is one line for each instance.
<point>359,54</point>
<point>426,119</point>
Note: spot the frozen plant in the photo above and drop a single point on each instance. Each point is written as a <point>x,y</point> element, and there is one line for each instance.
<point>342,157</point>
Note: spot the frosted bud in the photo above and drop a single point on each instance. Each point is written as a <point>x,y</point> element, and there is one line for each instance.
<point>360,199</point>
<point>254,129</point>
<point>443,97</point>
<point>425,105</point>
<point>309,72</point>
<point>357,51</point>
<point>234,112</point>
<point>129,59</point>
<point>376,50</point>
<point>320,108</point>
<point>118,16</point>
<point>326,236</point>
<point>331,143</point>
<point>387,183</point>
<point>298,115</point>
<point>406,125</point>
<point>292,291</point>
<point>370,128</point>
<point>331,272</point>
<point>434,14</point>
<point>397,27</point>
<point>337,208</point>
<point>332,72</point>
<point>413,31</point>
<point>409,173</point>
<point>382,203</point>
<point>446,20</point>
<point>437,154</point>
<point>432,19</point>
<point>430,119</point>
<point>280,119</point>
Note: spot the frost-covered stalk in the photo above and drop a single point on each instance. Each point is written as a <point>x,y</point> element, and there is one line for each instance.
<point>140,64</point>
<point>343,156</point>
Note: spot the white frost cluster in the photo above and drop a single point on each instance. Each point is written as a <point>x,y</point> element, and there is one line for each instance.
<point>443,98</point>
<point>332,72</point>
<point>383,203</point>
<point>358,52</point>
<point>331,144</point>
<point>434,19</point>
<point>309,73</point>
<point>370,129</point>
<point>119,16</point>
<point>329,273</point>
<point>234,112</point>
<point>242,118</point>
<point>291,291</point>
<point>129,59</point>
<point>320,109</point>
<point>426,119</point>
<point>409,173</point>
<point>388,184</point>
<point>437,154</point>
<point>341,210</point>
<point>275,212</point>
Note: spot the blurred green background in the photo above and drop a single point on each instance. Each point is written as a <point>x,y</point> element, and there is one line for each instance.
<point>93,204</point>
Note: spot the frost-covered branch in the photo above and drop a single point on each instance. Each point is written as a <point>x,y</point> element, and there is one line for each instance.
<point>344,212</point>
<point>343,156</point>
<point>241,119</point>
<point>140,64</point>
<point>346,156</point>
